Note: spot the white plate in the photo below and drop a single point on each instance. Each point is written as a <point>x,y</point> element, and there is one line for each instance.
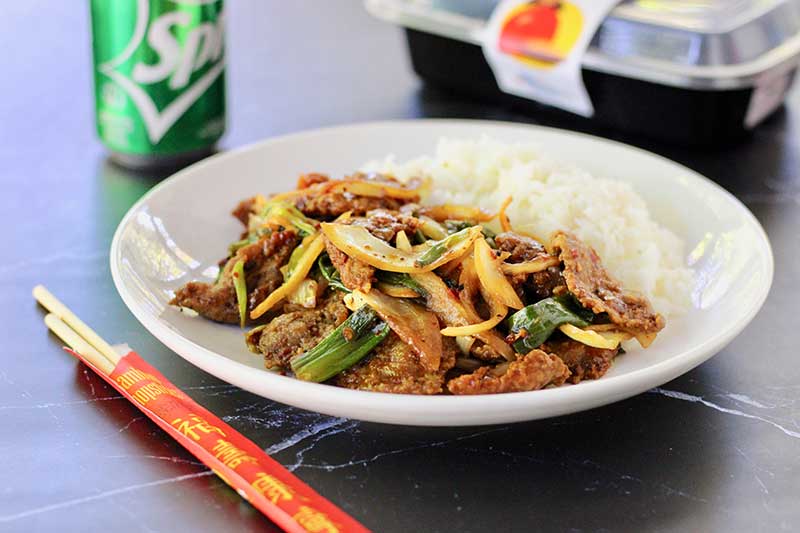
<point>179,230</point>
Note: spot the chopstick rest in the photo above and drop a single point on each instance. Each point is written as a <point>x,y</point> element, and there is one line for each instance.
<point>256,477</point>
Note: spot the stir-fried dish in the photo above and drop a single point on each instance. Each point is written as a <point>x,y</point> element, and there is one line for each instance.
<point>352,282</point>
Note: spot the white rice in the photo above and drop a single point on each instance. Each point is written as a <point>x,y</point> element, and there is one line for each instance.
<point>549,196</point>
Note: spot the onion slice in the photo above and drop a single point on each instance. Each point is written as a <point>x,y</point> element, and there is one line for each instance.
<point>498,312</point>
<point>375,189</point>
<point>397,291</point>
<point>492,278</point>
<point>360,244</point>
<point>441,300</point>
<point>432,229</point>
<point>415,325</point>
<point>529,267</point>
<point>605,340</point>
<point>457,212</point>
<point>401,239</point>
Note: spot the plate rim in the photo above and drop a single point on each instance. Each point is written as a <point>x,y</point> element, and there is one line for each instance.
<point>553,402</point>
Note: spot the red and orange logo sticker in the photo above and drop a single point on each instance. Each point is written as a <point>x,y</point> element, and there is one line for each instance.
<point>541,33</point>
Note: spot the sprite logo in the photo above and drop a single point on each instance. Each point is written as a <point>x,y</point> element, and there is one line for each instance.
<point>184,68</point>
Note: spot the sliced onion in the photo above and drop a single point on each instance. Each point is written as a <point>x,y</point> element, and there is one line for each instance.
<point>353,301</point>
<point>316,189</point>
<point>397,291</point>
<point>360,244</point>
<point>457,212</point>
<point>441,300</point>
<point>465,344</point>
<point>529,267</point>
<point>471,285</point>
<point>432,229</point>
<point>589,337</point>
<point>645,339</point>
<point>305,294</point>
<point>498,313</point>
<point>401,239</point>
<point>491,275</point>
<point>299,273</point>
<point>415,325</point>
<point>602,327</point>
<point>375,189</point>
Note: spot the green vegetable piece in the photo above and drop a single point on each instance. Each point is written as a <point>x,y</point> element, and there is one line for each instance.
<point>252,337</point>
<point>297,254</point>
<point>330,273</point>
<point>419,237</point>
<point>541,319</point>
<point>454,226</point>
<point>305,225</point>
<point>441,247</point>
<point>236,246</point>
<point>252,237</point>
<point>342,348</point>
<point>402,280</point>
<point>240,286</point>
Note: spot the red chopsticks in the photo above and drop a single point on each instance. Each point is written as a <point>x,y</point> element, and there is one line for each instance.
<point>243,465</point>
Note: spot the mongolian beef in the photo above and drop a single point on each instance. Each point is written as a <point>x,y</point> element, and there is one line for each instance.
<point>352,282</point>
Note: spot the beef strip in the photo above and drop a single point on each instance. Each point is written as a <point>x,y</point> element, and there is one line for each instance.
<point>244,209</point>
<point>521,247</point>
<point>533,286</point>
<point>483,351</point>
<point>307,180</point>
<point>262,261</point>
<point>595,289</point>
<point>385,224</point>
<point>354,273</point>
<point>329,205</point>
<point>297,330</point>
<point>532,371</point>
<point>584,362</point>
<point>394,367</point>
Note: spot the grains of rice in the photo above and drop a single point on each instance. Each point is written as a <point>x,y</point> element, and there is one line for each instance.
<point>550,195</point>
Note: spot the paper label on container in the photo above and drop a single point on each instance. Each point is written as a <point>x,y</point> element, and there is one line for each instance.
<point>268,486</point>
<point>535,49</point>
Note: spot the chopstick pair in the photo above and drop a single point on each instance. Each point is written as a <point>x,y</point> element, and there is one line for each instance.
<point>75,333</point>
<point>273,490</point>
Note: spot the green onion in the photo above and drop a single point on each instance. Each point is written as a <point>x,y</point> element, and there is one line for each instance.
<point>240,285</point>
<point>441,247</point>
<point>342,348</point>
<point>541,319</point>
<point>252,237</point>
<point>330,273</point>
<point>402,280</point>
<point>305,225</point>
<point>419,237</point>
<point>252,337</point>
<point>454,226</point>
<point>294,259</point>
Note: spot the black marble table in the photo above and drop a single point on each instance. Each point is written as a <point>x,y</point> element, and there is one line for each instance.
<point>715,450</point>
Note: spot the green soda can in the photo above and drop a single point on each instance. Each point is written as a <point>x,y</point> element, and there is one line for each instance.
<point>159,79</point>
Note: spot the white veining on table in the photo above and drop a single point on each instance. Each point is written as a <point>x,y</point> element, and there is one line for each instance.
<point>698,399</point>
<point>100,496</point>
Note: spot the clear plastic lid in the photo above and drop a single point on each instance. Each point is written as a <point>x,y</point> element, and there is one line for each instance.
<point>701,44</point>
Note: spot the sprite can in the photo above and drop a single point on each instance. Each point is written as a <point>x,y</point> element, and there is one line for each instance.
<point>159,79</point>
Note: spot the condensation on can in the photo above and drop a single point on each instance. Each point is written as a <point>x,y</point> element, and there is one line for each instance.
<point>159,80</point>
